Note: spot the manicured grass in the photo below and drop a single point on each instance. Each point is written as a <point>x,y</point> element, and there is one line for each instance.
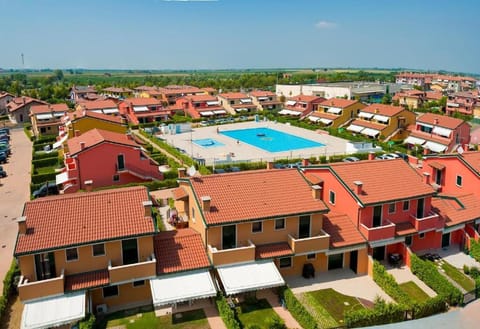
<point>259,313</point>
<point>414,291</point>
<point>195,319</point>
<point>456,275</point>
<point>45,170</point>
<point>333,302</point>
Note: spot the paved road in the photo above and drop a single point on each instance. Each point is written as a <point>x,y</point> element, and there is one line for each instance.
<point>14,191</point>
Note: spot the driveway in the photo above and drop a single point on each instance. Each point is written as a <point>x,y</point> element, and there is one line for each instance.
<point>14,191</point>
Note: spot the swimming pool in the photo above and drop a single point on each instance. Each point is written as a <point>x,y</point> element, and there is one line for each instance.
<point>270,140</point>
<point>207,142</point>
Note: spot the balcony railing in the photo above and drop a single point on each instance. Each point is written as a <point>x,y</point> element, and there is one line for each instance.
<point>49,287</point>
<point>242,253</point>
<point>315,243</point>
<point>382,232</point>
<point>431,221</point>
<point>136,271</point>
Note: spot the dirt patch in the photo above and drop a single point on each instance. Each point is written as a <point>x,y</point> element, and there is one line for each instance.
<point>13,316</point>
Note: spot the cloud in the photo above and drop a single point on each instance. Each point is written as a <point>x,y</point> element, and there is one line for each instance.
<point>323,25</point>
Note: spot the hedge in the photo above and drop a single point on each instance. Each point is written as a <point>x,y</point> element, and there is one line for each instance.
<point>45,139</point>
<point>475,249</point>
<point>42,178</point>
<point>46,162</point>
<point>88,322</point>
<point>382,313</point>
<point>8,288</point>
<point>43,155</point>
<point>431,306</point>
<point>387,282</point>
<point>226,313</point>
<point>41,147</point>
<point>298,311</point>
<point>428,273</point>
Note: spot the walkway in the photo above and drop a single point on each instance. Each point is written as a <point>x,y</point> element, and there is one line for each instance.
<point>146,140</point>
<point>456,257</point>
<point>284,314</point>
<point>404,274</point>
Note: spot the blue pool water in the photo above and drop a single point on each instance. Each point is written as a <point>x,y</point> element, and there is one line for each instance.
<point>270,140</point>
<point>207,142</point>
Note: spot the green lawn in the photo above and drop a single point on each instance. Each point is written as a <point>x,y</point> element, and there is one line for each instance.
<point>45,170</point>
<point>456,275</point>
<point>414,291</point>
<point>333,302</point>
<point>259,314</point>
<point>195,319</point>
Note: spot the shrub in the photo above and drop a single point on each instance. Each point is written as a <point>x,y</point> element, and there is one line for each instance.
<point>88,322</point>
<point>381,313</point>
<point>475,249</point>
<point>387,282</point>
<point>42,178</point>
<point>298,311</point>
<point>46,162</point>
<point>429,307</point>
<point>8,287</point>
<point>466,269</point>
<point>226,313</point>
<point>43,155</point>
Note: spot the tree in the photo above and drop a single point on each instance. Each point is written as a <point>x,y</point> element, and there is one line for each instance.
<point>387,99</point>
<point>58,74</point>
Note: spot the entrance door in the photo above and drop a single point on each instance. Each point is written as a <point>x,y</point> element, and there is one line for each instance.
<point>304,227</point>
<point>229,237</point>
<point>379,253</point>
<point>353,260</point>
<point>129,251</point>
<point>377,216</point>
<point>120,162</point>
<point>445,240</point>
<point>438,177</point>
<point>420,208</point>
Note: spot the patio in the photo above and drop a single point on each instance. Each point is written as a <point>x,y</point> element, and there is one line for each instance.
<point>404,274</point>
<point>456,257</point>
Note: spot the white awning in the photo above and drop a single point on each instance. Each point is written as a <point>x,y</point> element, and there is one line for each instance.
<point>58,144</point>
<point>140,109</point>
<point>453,104</point>
<point>334,110</point>
<point>241,109</point>
<point>108,111</point>
<point>44,116</point>
<point>213,103</point>
<point>413,140</point>
<point>442,131</point>
<point>284,111</point>
<point>262,98</point>
<point>380,118</point>
<point>245,277</point>
<point>180,287</point>
<point>425,124</point>
<point>295,113</point>
<point>365,115</point>
<point>245,100</point>
<point>54,311</point>
<point>206,113</point>
<point>96,111</point>
<point>370,132</point>
<point>313,119</point>
<point>434,147</point>
<point>453,228</point>
<point>355,128</point>
<point>61,178</point>
<point>326,121</point>
<point>219,111</point>
<point>291,103</point>
<point>58,114</point>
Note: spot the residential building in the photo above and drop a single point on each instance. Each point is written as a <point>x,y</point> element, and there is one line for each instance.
<point>438,133</point>
<point>201,106</point>
<point>117,92</point>
<point>437,82</point>
<point>383,121</point>
<point>105,106</point>
<point>83,93</point>
<point>46,119</point>
<point>462,102</point>
<point>79,122</point>
<point>301,105</point>
<point>123,161</point>
<point>19,108</point>
<point>265,100</point>
<point>336,112</point>
<point>411,99</point>
<point>140,90</point>
<point>143,110</point>
<point>168,95</point>
<point>237,103</point>
<point>5,98</point>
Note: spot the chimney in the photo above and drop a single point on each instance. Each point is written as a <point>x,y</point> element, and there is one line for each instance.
<point>317,192</point>
<point>181,172</point>
<point>23,99</point>
<point>77,133</point>
<point>426,151</point>
<point>22,225</point>
<point>358,187</point>
<point>82,145</point>
<point>426,178</point>
<point>88,185</point>
<point>269,165</point>
<point>147,205</point>
<point>371,156</point>
<point>305,162</point>
<point>435,121</point>
<point>129,136</point>
<point>206,203</point>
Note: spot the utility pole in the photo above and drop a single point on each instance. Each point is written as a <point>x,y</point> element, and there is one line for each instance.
<point>23,62</point>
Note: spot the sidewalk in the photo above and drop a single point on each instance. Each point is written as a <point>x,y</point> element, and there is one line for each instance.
<point>284,314</point>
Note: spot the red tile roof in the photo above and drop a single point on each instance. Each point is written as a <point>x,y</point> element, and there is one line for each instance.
<point>257,194</point>
<point>19,102</point>
<point>404,228</point>
<point>433,95</point>
<point>179,193</point>
<point>443,120</point>
<point>98,104</point>
<point>341,229</point>
<point>142,101</point>
<point>87,280</point>
<point>233,95</point>
<point>457,209</point>
<point>338,102</point>
<point>38,109</point>
<point>273,250</point>
<point>383,180</point>
<point>262,93</point>
<point>307,99</point>
<point>472,159</point>
<point>368,124</point>
<point>118,90</point>
<point>96,136</point>
<point>180,250</point>
<point>101,116</point>
<point>83,218</point>
<point>201,98</point>
<point>383,109</point>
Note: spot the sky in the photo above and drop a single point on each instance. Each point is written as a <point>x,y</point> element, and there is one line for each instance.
<point>240,34</point>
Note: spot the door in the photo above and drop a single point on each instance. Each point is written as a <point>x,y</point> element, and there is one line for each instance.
<point>438,177</point>
<point>353,260</point>
<point>379,253</point>
<point>45,266</point>
<point>129,251</point>
<point>377,216</point>
<point>335,261</point>
<point>229,237</point>
<point>120,162</point>
<point>304,227</point>
<point>445,240</point>
<point>420,208</point>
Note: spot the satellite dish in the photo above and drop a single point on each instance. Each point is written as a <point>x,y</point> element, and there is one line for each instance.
<point>460,150</point>
<point>191,171</point>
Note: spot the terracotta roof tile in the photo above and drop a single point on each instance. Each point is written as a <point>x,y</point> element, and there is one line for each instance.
<point>457,209</point>
<point>341,229</point>
<point>98,104</point>
<point>100,116</point>
<point>96,136</point>
<point>472,159</point>
<point>233,95</point>
<point>273,250</point>
<point>383,109</point>
<point>338,102</point>
<point>440,120</point>
<point>37,109</point>
<point>255,194</point>
<point>404,228</point>
<point>142,101</point>
<point>118,90</point>
<point>368,124</point>
<point>201,98</point>
<point>87,280</point>
<point>434,95</point>
<point>180,250</point>
<point>179,193</point>
<point>82,218</point>
<point>324,115</point>
<point>308,99</point>
<point>262,93</point>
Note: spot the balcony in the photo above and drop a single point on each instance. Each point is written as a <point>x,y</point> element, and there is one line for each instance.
<point>429,222</point>
<point>317,242</point>
<point>244,252</point>
<point>31,290</point>
<point>386,231</point>
<point>136,271</point>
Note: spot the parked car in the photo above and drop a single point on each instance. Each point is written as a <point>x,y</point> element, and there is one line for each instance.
<point>49,188</point>
<point>3,173</point>
<point>219,171</point>
<point>5,130</point>
<point>351,159</point>
<point>3,157</point>
<point>402,155</point>
<point>5,148</point>
<point>279,166</point>
<point>382,157</point>
<point>392,156</point>
<point>203,123</point>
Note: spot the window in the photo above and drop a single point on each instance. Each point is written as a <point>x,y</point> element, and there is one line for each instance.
<point>459,180</point>
<point>280,224</point>
<point>98,249</point>
<point>193,214</point>
<point>391,208</point>
<point>331,197</point>
<point>285,262</point>
<point>139,283</point>
<point>116,178</point>
<point>406,205</point>
<point>111,291</point>
<point>311,256</point>
<point>129,251</point>
<point>408,240</point>
<point>335,261</point>
<point>72,254</point>
<point>256,227</point>
<point>421,235</point>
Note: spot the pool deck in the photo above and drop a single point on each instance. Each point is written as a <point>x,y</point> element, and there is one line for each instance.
<point>241,152</point>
